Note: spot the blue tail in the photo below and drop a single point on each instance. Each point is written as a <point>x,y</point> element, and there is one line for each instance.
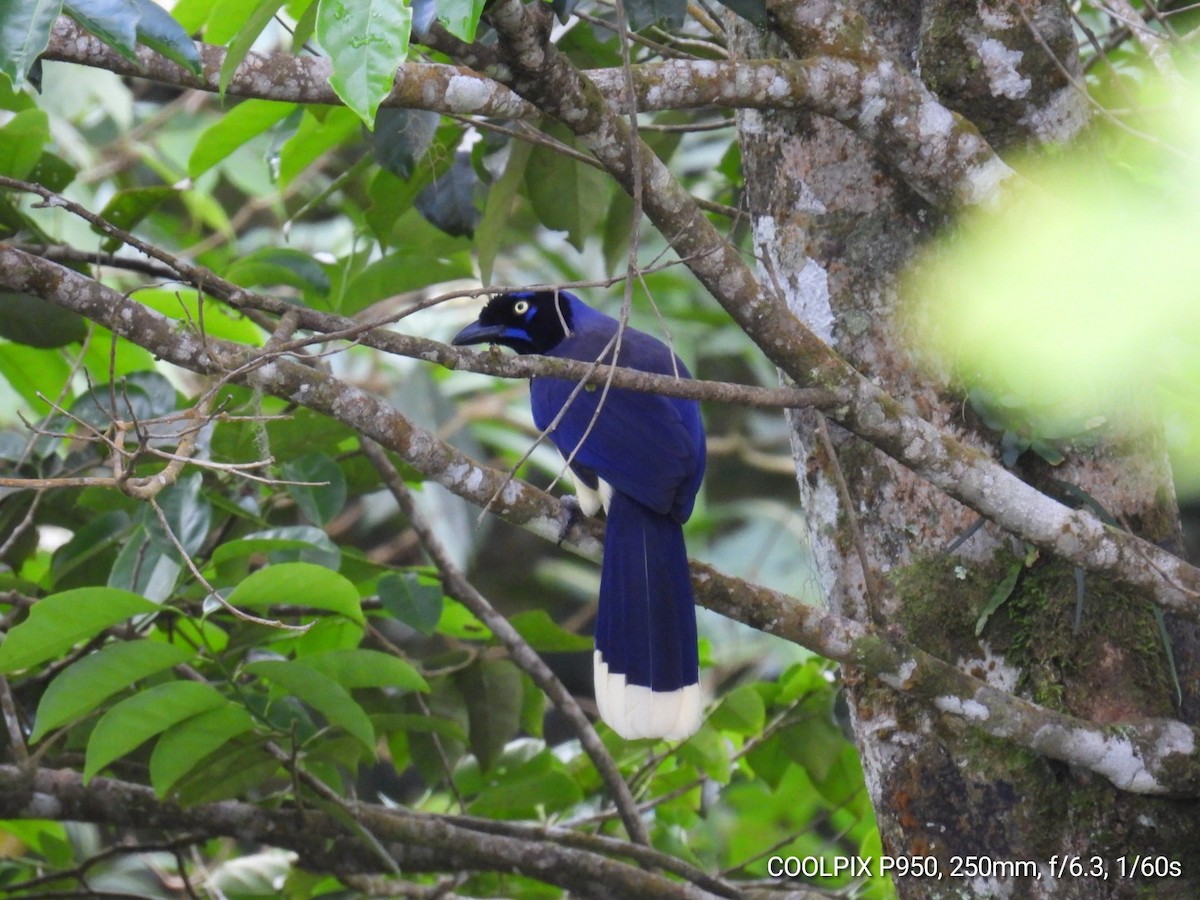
<point>646,663</point>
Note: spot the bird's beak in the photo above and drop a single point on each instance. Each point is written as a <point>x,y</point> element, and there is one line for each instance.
<point>477,333</point>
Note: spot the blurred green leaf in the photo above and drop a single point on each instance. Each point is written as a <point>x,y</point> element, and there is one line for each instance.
<point>415,604</point>
<point>567,195</point>
<point>324,496</point>
<point>57,623</point>
<point>279,265</point>
<point>34,322</point>
<point>129,207</point>
<point>22,140</point>
<point>360,668</point>
<point>547,636</point>
<point>494,696</point>
<point>238,125</point>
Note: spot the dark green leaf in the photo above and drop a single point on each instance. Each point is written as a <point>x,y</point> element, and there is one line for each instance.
<point>498,207</point>
<point>88,556</point>
<point>129,207</point>
<point>545,635</point>
<point>417,605</point>
<point>59,622</point>
<point>325,494</point>
<point>567,195</point>
<point>53,172</point>
<point>161,33</point>
<point>136,719</point>
<point>182,747</point>
<point>449,201</point>
<point>494,694</point>
<point>84,685</point>
<point>22,141</point>
<point>24,33</point>
<point>366,41</point>
<point>113,21</point>
<point>34,322</point>
<point>320,692</point>
<point>643,13</point>
<point>146,567</point>
<point>188,513</point>
<point>540,786</point>
<point>279,265</point>
<point>292,543</point>
<point>140,395</point>
<point>1002,592</point>
<point>753,11</point>
<point>402,137</point>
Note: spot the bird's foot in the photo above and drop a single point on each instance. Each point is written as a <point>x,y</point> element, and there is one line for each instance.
<point>569,514</point>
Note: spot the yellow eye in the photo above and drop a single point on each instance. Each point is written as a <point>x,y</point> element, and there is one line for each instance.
<point>521,307</point>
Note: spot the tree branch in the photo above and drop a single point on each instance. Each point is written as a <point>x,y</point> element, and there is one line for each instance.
<point>420,843</point>
<point>1153,756</point>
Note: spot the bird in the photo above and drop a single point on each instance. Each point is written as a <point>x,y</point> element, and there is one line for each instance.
<point>640,456</point>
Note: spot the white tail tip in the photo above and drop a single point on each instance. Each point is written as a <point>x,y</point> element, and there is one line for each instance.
<point>634,711</point>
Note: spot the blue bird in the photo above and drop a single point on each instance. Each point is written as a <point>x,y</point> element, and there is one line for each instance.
<point>641,456</point>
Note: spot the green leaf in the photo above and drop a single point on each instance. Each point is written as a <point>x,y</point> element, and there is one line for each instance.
<point>146,567</point>
<point>742,711</point>
<point>417,605</point>
<point>162,34</point>
<point>359,668</point>
<point>22,141</point>
<point>540,786</point>
<point>259,17</point>
<point>33,322</point>
<point>547,636</point>
<point>314,137</point>
<point>366,40</point>
<point>291,543</point>
<point>1002,592</point>
<point>184,746</point>
<point>113,21</point>
<point>188,513</point>
<point>567,195</point>
<point>84,685</point>
<point>461,17</point>
<point>298,584</point>
<point>325,495</point>
<point>136,719</point>
<point>127,208</point>
<point>59,622</point>
<point>53,172</point>
<point>238,125</point>
<point>498,208</point>
<point>24,33</point>
<point>494,694</point>
<point>279,265</point>
<point>320,692</point>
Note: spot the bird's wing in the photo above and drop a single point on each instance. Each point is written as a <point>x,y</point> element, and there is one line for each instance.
<point>645,445</point>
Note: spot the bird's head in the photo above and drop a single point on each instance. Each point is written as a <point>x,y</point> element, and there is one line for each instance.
<point>526,321</point>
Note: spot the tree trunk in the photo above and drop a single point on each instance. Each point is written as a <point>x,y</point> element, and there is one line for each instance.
<point>834,229</point>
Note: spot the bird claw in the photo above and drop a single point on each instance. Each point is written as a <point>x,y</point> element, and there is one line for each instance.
<point>569,514</point>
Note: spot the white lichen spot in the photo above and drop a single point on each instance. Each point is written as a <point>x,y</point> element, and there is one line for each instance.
<point>810,300</point>
<point>466,94</point>
<point>967,709</point>
<point>900,679</point>
<point>1061,118</point>
<point>1000,63</point>
<point>1112,755</point>
<point>981,185</point>
<point>992,667</point>
<point>934,120</point>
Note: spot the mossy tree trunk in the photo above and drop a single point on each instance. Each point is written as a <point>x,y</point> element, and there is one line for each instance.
<point>834,229</point>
